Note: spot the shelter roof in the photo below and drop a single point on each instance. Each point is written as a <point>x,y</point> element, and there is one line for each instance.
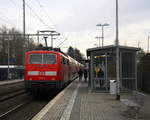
<point>111,48</point>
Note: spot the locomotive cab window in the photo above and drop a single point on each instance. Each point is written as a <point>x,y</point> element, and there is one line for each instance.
<point>35,59</point>
<point>42,59</point>
<point>49,59</point>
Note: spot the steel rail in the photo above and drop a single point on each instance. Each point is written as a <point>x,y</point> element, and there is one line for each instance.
<point>11,95</point>
<point>14,109</point>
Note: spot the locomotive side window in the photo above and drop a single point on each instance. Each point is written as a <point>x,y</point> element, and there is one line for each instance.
<point>49,59</point>
<point>61,60</point>
<point>64,61</point>
<point>35,59</point>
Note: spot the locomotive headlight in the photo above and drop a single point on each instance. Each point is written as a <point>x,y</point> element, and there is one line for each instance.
<point>33,72</point>
<point>51,73</point>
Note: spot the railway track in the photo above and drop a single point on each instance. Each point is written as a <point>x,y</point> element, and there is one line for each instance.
<point>10,90</point>
<point>21,105</point>
<point>14,109</point>
<point>25,110</point>
<point>10,95</point>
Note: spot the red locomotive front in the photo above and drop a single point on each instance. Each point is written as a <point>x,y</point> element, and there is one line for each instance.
<point>42,70</point>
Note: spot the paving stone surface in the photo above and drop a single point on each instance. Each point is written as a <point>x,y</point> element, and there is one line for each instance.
<point>92,106</point>
<point>95,106</point>
<point>58,108</point>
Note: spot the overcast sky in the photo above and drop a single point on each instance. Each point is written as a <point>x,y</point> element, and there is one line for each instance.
<point>76,20</point>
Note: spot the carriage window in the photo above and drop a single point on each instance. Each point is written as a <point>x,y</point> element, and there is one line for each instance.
<point>49,59</point>
<point>64,61</point>
<point>61,60</point>
<point>35,59</point>
<point>67,62</point>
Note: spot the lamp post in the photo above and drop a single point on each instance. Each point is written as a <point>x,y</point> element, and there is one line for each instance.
<point>148,44</point>
<point>102,25</point>
<point>98,39</point>
<point>117,56</point>
<point>139,44</point>
<point>24,29</point>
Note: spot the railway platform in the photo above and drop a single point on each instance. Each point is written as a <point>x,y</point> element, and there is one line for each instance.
<point>76,102</point>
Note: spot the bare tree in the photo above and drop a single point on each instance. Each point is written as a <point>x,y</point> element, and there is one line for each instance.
<point>17,46</point>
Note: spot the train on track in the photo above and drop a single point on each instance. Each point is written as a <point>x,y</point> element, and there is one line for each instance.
<point>49,69</point>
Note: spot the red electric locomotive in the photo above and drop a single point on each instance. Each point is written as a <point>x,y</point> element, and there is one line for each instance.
<point>48,69</point>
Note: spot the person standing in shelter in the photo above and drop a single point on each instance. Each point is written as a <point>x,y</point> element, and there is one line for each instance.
<point>80,73</point>
<point>85,75</point>
<point>101,76</point>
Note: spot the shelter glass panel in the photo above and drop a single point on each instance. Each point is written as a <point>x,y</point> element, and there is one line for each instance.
<point>99,72</point>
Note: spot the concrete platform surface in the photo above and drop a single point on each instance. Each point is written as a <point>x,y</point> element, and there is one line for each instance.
<point>77,103</point>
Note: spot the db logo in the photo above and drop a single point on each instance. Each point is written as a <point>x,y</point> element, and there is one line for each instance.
<point>42,73</point>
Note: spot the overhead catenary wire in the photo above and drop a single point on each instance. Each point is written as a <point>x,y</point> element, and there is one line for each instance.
<point>62,42</point>
<point>17,6</point>
<point>40,19</point>
<point>33,14</point>
<point>44,11</point>
<point>4,20</point>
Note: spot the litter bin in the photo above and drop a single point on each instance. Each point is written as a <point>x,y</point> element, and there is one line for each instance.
<point>113,87</point>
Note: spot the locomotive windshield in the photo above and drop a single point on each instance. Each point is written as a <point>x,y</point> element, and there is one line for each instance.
<point>42,59</point>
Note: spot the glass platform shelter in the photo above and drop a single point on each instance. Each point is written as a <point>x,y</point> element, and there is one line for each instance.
<point>102,67</point>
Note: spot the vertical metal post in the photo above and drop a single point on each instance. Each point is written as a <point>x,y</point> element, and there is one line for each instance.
<point>8,60</point>
<point>28,42</point>
<point>117,36</point>
<point>117,55</point>
<point>24,32</point>
<point>38,36</point>
<point>24,19</point>
<point>102,25</point>
<point>91,78</point>
<point>51,40</point>
<point>138,44</point>
<point>106,74</point>
<point>102,35</point>
<point>99,41</point>
<point>136,82</point>
<point>121,77</point>
<point>45,38</point>
<point>148,44</point>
